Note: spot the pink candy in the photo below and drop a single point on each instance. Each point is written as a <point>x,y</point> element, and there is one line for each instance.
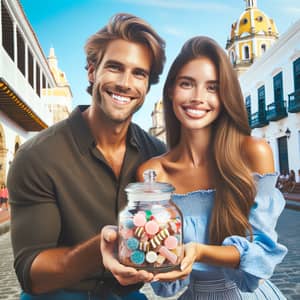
<point>151,227</point>
<point>171,242</point>
<point>168,254</point>
<point>139,219</point>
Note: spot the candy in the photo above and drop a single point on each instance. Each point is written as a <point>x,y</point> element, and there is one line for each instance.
<point>160,260</point>
<point>171,242</point>
<point>155,242</point>
<point>168,254</point>
<point>126,233</point>
<point>144,246</point>
<point>139,232</point>
<point>132,243</point>
<point>151,227</point>
<point>137,257</point>
<point>139,219</point>
<point>151,257</point>
<point>163,234</point>
<point>128,224</point>
<point>148,214</point>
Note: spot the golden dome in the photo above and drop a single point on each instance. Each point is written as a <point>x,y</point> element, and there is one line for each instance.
<point>253,21</point>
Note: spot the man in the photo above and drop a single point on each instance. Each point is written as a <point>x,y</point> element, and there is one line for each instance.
<point>68,182</point>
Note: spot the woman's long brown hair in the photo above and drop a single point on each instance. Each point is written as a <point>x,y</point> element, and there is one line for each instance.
<point>235,188</point>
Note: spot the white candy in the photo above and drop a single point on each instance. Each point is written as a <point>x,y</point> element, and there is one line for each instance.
<point>151,257</point>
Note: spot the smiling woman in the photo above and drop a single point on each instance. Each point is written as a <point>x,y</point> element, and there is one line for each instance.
<point>224,181</point>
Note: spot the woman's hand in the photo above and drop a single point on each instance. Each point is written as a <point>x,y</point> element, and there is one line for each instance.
<point>125,275</point>
<point>191,254</point>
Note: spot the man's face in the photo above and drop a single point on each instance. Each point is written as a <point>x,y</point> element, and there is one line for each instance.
<point>121,79</point>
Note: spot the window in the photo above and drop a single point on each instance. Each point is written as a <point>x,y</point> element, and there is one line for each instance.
<point>261,95</point>
<point>297,74</point>
<point>248,108</point>
<point>246,52</point>
<point>278,87</point>
<point>21,52</point>
<point>7,31</point>
<point>30,68</point>
<point>38,79</point>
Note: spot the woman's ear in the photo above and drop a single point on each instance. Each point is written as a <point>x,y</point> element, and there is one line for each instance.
<point>91,73</point>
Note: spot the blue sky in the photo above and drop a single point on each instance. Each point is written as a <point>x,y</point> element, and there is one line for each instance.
<point>66,25</point>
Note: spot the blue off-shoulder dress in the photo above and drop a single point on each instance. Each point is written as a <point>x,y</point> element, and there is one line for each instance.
<point>258,257</point>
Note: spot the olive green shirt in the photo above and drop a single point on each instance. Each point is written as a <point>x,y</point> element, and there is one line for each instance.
<point>62,191</point>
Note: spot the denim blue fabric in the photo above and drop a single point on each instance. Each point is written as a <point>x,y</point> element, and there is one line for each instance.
<point>258,257</point>
<point>67,295</point>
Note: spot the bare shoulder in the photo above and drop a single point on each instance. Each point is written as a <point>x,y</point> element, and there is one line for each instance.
<point>258,155</point>
<point>155,164</point>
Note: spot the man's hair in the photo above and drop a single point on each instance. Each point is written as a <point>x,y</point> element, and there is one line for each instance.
<point>129,28</point>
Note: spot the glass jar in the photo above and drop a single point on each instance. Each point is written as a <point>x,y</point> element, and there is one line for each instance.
<point>150,227</point>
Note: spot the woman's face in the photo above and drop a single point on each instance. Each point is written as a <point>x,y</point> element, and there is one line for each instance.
<point>195,94</point>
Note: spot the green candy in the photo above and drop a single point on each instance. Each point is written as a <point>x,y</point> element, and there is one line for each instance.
<point>148,214</point>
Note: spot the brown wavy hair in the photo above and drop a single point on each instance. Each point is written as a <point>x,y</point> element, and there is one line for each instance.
<point>235,188</point>
<point>129,28</point>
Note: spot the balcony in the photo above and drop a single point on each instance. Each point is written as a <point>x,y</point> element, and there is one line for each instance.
<point>258,120</point>
<point>276,111</point>
<point>294,102</point>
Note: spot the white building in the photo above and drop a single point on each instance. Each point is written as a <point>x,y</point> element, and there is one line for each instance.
<point>27,84</point>
<point>271,88</point>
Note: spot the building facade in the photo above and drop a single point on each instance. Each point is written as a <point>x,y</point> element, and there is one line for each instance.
<point>271,88</point>
<point>26,83</point>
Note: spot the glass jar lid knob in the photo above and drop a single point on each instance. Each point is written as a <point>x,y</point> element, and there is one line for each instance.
<point>149,175</point>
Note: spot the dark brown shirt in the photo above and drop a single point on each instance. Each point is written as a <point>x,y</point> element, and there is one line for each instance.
<point>62,191</point>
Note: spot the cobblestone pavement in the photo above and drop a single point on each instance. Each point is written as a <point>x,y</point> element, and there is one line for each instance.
<point>286,276</point>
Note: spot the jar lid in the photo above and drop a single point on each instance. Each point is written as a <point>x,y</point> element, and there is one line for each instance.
<point>149,185</point>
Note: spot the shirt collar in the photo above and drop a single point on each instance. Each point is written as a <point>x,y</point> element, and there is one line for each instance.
<point>83,134</point>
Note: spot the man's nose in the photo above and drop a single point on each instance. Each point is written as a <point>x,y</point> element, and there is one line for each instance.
<point>124,81</point>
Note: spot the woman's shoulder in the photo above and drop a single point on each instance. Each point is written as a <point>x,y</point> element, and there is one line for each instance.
<point>258,155</point>
<point>155,163</point>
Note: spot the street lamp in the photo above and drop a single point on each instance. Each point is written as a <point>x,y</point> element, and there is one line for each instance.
<point>288,133</point>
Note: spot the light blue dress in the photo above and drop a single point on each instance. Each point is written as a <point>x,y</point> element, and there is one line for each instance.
<point>258,258</point>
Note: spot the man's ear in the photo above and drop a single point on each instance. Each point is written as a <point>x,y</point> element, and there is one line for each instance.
<point>91,73</point>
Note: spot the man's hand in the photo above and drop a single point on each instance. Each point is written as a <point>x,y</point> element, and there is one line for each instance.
<point>125,275</point>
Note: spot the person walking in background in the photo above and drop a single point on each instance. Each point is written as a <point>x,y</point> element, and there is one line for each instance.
<point>3,197</point>
<point>68,181</point>
<point>224,181</point>
<point>290,183</point>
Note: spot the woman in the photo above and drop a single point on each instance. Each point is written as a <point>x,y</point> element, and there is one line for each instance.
<point>224,180</point>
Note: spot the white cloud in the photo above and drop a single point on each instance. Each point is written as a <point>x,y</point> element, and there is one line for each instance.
<point>292,10</point>
<point>173,31</point>
<point>181,4</point>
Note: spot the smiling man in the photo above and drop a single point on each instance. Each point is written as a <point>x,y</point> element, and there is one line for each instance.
<point>68,182</point>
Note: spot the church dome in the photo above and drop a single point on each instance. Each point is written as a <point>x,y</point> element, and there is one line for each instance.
<point>253,21</point>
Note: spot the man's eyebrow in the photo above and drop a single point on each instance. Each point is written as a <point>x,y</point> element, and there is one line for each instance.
<point>114,62</point>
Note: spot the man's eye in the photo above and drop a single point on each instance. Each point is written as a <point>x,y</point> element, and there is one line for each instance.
<point>140,74</point>
<point>114,67</point>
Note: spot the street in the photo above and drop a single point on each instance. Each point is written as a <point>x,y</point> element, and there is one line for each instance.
<point>286,276</point>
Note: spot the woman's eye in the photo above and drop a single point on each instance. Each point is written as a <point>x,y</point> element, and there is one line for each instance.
<point>213,87</point>
<point>185,84</point>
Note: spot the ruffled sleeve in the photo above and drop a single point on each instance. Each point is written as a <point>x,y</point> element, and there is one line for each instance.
<point>259,257</point>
